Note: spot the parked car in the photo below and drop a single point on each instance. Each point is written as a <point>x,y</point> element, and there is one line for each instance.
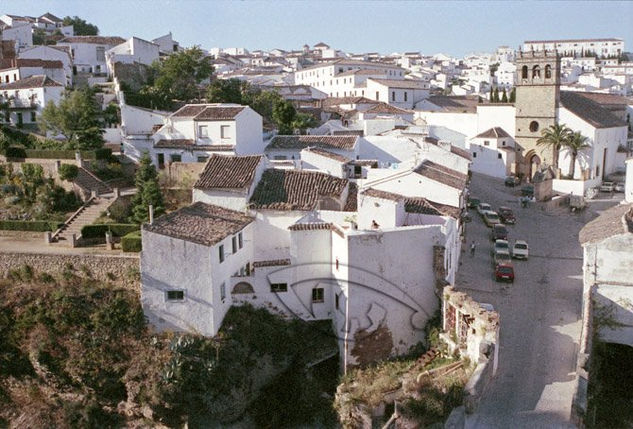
<point>618,187</point>
<point>486,306</point>
<point>504,272</point>
<point>607,187</point>
<point>491,218</point>
<point>501,247</point>
<point>511,181</point>
<point>527,190</point>
<point>520,250</point>
<point>501,259</point>
<point>506,215</point>
<point>483,207</point>
<point>473,202</point>
<point>499,232</point>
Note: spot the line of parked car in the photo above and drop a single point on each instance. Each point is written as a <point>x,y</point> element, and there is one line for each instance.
<point>502,253</point>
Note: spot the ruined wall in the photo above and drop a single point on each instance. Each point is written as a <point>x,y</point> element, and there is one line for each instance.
<point>122,269</point>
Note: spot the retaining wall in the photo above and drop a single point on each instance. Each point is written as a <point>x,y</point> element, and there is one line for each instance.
<point>122,269</point>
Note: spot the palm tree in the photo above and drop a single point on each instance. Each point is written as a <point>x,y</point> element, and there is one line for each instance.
<point>555,137</point>
<point>575,143</point>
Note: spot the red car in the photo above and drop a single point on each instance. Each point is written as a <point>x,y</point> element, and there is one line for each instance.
<point>506,215</point>
<point>504,272</point>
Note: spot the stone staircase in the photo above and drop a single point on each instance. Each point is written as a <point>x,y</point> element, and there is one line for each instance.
<point>86,215</point>
<point>89,182</point>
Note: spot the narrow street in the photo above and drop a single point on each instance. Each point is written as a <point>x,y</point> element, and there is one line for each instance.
<point>540,313</point>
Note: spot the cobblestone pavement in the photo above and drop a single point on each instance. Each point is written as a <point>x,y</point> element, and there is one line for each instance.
<point>540,313</point>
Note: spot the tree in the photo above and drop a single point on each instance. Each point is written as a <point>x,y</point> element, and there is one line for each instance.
<point>76,118</point>
<point>284,114</point>
<point>554,137</point>
<point>492,95</point>
<point>147,191</point>
<point>81,27</point>
<point>513,95</point>
<point>226,91</point>
<point>303,121</point>
<point>178,76</point>
<point>574,143</point>
<point>68,172</point>
<point>496,95</point>
<point>504,96</point>
<point>39,36</point>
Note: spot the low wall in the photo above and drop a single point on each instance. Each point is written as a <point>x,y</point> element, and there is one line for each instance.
<point>576,187</point>
<point>122,269</point>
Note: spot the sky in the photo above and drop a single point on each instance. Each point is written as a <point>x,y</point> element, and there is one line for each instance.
<point>452,27</point>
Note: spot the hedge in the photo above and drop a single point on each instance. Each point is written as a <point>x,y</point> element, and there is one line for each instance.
<point>29,225</point>
<point>132,242</point>
<point>18,152</point>
<point>99,230</point>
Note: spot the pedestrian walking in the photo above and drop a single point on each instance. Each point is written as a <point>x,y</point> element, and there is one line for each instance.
<point>472,248</point>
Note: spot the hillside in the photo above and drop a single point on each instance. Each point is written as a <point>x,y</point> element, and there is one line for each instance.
<point>77,353</point>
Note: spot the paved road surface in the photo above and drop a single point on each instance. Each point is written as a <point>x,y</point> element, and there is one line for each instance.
<point>540,313</point>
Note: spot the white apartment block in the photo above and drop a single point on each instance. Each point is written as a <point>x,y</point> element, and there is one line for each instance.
<point>602,47</point>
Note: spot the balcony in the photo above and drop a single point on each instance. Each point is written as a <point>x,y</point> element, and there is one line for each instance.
<point>21,104</point>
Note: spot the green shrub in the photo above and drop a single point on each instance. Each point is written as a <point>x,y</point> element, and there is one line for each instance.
<point>29,225</point>
<point>68,172</point>
<point>132,242</point>
<point>103,154</point>
<point>15,152</point>
<point>117,229</point>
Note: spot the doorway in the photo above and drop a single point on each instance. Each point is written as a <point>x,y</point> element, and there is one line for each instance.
<point>161,161</point>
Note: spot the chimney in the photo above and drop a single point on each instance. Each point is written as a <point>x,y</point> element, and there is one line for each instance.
<point>151,214</point>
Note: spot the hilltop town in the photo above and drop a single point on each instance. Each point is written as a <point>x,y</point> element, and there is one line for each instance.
<point>458,227</point>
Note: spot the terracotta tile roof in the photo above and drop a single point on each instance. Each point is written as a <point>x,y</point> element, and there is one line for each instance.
<point>493,133</point>
<point>189,145</point>
<point>589,111</point>
<point>461,152</point>
<point>200,223</point>
<point>50,17</point>
<point>310,226</point>
<point>608,99</point>
<point>460,103</point>
<point>361,72</point>
<point>37,81</point>
<point>326,142</point>
<point>295,190</point>
<point>9,63</point>
<point>208,112</point>
<point>228,172</point>
<point>96,40</point>
<point>335,101</point>
<point>442,174</point>
<point>387,108</point>
<point>373,163</point>
<point>271,263</point>
<point>327,154</point>
<point>611,222</point>
<point>351,205</point>
<point>416,205</point>
<point>402,83</point>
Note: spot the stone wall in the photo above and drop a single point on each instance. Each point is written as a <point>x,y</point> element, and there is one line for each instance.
<point>123,269</point>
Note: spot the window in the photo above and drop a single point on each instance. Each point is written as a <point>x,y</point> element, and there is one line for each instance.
<point>222,291</point>
<point>279,287</point>
<point>33,117</point>
<point>240,241</point>
<point>393,95</point>
<point>337,264</point>
<point>503,143</point>
<point>234,244</point>
<point>175,158</point>
<point>203,131</point>
<point>536,72</point>
<point>280,157</point>
<point>474,154</point>
<point>337,297</point>
<point>405,96</point>
<point>221,253</point>
<point>202,158</point>
<point>100,53</point>
<point>534,126</point>
<point>175,295</point>
<point>224,131</point>
<point>548,71</point>
<point>499,155</point>
<point>486,142</point>
<point>524,72</point>
<point>317,294</point>
<point>377,95</point>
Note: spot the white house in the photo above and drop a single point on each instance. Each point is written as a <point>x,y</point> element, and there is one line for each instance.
<point>133,50</point>
<point>51,53</point>
<point>88,52</point>
<point>52,24</point>
<point>505,75</point>
<point>290,147</point>
<point>195,131</point>
<point>493,152</point>
<point>578,47</point>
<point>403,93</point>
<point>18,31</point>
<point>167,44</point>
<point>27,97</point>
<point>14,69</point>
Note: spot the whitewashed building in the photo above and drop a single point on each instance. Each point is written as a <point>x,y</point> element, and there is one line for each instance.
<point>17,31</point>
<point>27,97</point>
<point>88,52</point>
<point>51,53</point>
<point>578,47</point>
<point>14,69</point>
<point>493,152</point>
<point>133,50</point>
<point>289,147</point>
